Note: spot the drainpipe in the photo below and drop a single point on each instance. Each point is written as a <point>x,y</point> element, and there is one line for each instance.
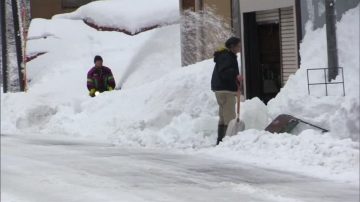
<point>332,52</point>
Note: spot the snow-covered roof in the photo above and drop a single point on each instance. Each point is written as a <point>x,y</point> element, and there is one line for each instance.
<point>129,15</point>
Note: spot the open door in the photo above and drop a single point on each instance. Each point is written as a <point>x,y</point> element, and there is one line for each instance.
<point>251,51</point>
<point>262,58</point>
<point>269,43</point>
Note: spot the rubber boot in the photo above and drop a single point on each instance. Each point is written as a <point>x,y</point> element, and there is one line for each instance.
<point>221,133</point>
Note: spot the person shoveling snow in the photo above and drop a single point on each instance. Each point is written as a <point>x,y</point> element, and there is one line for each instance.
<point>225,83</point>
<point>99,78</point>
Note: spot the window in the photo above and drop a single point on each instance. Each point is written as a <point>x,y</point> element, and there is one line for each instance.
<point>188,4</point>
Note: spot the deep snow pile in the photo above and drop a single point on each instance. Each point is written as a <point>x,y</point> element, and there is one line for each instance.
<point>333,155</point>
<point>129,15</point>
<point>310,153</point>
<point>163,105</point>
<point>339,114</point>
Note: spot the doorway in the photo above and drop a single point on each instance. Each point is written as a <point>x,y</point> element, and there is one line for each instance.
<point>269,48</point>
<point>262,58</point>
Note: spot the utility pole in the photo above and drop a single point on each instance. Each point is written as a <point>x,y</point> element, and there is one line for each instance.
<point>3,45</point>
<point>333,63</point>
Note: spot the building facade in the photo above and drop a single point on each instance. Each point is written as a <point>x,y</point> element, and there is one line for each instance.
<point>49,8</point>
<point>271,32</point>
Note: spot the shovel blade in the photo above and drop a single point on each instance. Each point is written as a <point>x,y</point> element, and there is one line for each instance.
<point>235,126</point>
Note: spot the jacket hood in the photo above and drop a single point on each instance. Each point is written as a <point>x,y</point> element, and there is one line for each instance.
<point>220,51</point>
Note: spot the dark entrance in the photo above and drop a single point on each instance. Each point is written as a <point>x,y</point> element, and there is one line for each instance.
<point>262,58</point>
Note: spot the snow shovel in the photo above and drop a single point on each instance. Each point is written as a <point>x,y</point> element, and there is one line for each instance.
<point>285,123</point>
<point>236,125</point>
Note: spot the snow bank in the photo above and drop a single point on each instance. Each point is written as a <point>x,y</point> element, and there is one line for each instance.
<point>310,153</point>
<point>129,15</point>
<point>164,105</point>
<point>337,113</point>
<point>74,52</point>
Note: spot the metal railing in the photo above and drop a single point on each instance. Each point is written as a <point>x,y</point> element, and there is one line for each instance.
<point>326,82</point>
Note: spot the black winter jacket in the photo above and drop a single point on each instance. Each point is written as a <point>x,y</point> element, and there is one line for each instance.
<point>225,72</point>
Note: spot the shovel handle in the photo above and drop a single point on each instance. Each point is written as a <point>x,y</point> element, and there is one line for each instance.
<point>322,129</point>
<point>238,94</point>
<point>238,104</point>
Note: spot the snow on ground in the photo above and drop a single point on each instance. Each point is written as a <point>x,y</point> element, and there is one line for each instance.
<point>130,15</point>
<point>43,169</point>
<point>328,154</point>
<point>338,114</point>
<point>310,153</point>
<point>163,105</point>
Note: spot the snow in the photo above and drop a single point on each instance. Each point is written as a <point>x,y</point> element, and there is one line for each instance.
<point>42,169</point>
<point>338,114</point>
<point>129,15</point>
<point>162,105</point>
<point>327,156</point>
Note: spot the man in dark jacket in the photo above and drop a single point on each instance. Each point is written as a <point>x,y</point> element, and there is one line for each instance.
<point>100,78</point>
<point>225,83</point>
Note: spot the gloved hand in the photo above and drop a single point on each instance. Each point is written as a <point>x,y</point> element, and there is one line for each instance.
<point>92,92</point>
<point>110,88</point>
